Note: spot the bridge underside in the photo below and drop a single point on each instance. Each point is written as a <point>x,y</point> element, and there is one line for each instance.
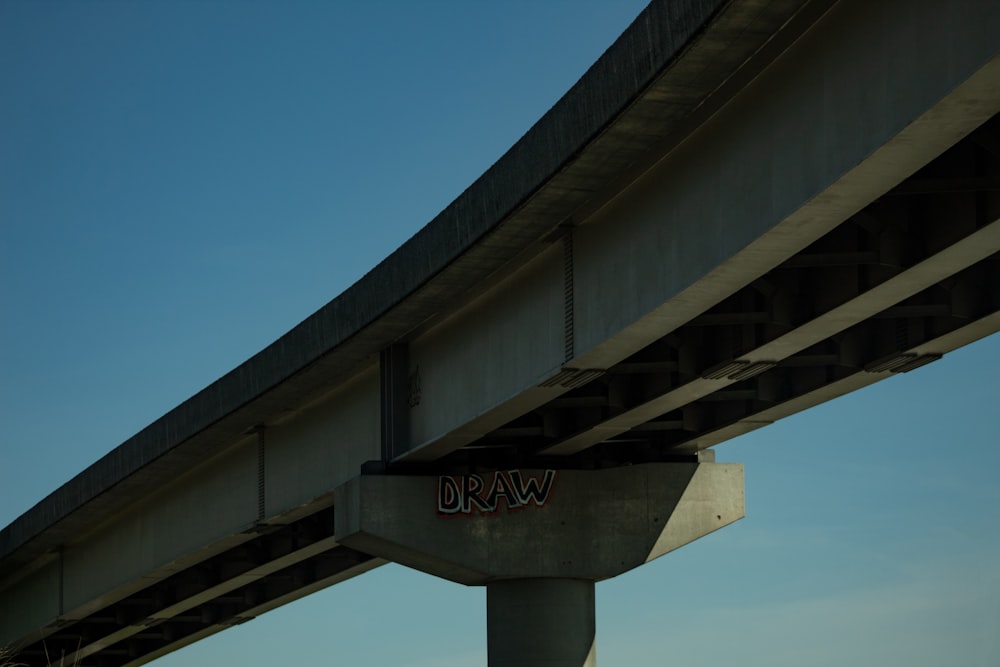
<point>904,281</point>
<point>862,282</point>
<point>895,286</point>
<point>268,570</point>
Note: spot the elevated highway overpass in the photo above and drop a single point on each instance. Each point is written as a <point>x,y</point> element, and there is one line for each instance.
<point>742,210</point>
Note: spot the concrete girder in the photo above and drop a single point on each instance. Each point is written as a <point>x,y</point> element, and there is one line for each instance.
<point>906,234</point>
<point>947,315</point>
<point>918,89</point>
<point>207,594</point>
<point>499,219</point>
<point>973,248</point>
<point>169,645</point>
<point>223,590</point>
<point>633,284</point>
<point>927,350</point>
<point>268,483</point>
<point>944,317</point>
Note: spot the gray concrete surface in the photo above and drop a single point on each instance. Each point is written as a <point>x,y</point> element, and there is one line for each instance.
<point>499,216</point>
<point>594,524</point>
<point>541,623</point>
<point>673,181</point>
<point>538,539</point>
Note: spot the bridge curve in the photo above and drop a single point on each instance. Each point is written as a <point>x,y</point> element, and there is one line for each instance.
<point>828,268</point>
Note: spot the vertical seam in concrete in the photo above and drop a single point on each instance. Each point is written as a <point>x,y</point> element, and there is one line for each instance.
<point>385,402</point>
<point>261,474</point>
<point>568,304</point>
<point>62,581</point>
<point>395,400</point>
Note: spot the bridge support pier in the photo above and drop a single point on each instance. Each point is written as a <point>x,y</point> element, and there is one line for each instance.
<point>538,539</point>
<point>536,622</point>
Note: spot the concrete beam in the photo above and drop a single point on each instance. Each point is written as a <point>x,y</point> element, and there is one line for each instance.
<point>765,176</point>
<point>268,479</point>
<point>498,218</point>
<point>969,250</point>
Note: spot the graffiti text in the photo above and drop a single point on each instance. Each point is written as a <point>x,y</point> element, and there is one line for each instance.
<point>468,494</point>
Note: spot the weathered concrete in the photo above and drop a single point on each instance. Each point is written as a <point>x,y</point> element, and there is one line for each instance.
<point>566,168</point>
<point>485,228</point>
<point>766,175</point>
<point>597,235</point>
<point>265,479</point>
<point>592,524</point>
<point>538,539</point>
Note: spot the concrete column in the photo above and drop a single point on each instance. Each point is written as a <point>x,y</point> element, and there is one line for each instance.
<point>541,623</point>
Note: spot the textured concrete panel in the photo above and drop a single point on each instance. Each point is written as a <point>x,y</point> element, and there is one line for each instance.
<point>31,603</point>
<point>587,524</point>
<point>506,340</point>
<point>186,520</point>
<point>769,173</point>
<point>322,447</point>
<point>462,246</point>
<point>847,113</point>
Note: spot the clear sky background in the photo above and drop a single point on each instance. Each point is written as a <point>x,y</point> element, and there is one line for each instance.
<point>182,182</point>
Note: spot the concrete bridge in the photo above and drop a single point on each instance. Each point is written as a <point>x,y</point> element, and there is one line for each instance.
<point>742,210</point>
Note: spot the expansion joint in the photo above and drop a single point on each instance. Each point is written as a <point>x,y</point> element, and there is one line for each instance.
<point>261,473</point>
<point>568,303</point>
<point>399,394</point>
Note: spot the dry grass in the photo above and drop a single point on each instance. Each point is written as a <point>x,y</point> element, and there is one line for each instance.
<point>9,659</point>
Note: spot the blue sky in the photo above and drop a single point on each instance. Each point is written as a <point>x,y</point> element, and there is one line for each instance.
<point>182,182</point>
